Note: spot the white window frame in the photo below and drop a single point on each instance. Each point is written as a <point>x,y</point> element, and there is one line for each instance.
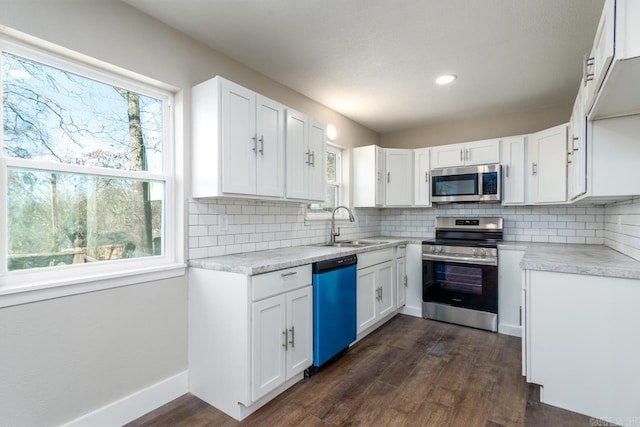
<point>22,286</point>
<point>343,181</point>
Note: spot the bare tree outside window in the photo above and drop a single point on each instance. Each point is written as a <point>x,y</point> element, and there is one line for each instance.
<point>66,133</point>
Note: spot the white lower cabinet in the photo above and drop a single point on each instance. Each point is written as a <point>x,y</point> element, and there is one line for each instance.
<point>509,291</point>
<point>581,343</point>
<point>376,287</point>
<point>401,276</point>
<point>281,338</point>
<point>250,337</point>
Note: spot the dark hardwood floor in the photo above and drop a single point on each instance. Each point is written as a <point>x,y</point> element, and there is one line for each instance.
<point>410,372</point>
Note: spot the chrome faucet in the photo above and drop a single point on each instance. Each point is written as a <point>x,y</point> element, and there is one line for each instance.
<point>335,233</point>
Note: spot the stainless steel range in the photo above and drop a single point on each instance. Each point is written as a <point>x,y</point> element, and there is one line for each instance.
<point>460,272</point>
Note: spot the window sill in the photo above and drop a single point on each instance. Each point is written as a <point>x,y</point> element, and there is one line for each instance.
<point>11,295</point>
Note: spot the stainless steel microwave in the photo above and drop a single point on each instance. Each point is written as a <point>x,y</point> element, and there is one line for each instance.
<point>466,184</point>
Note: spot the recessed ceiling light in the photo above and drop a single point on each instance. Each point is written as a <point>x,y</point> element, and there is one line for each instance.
<point>446,79</point>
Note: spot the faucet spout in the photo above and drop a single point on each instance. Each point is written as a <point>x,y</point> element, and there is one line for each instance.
<point>335,233</point>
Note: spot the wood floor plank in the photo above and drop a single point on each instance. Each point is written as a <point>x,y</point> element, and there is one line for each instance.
<point>410,372</point>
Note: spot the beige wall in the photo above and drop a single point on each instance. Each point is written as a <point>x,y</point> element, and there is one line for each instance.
<point>62,358</point>
<point>478,128</point>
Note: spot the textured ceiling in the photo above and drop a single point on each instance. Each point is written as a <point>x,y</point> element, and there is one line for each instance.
<point>375,60</point>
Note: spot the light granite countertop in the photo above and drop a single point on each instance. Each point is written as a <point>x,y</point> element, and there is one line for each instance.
<point>594,260</point>
<point>252,263</point>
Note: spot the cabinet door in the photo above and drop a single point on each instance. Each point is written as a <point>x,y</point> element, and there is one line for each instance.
<point>270,131</point>
<point>297,155</point>
<point>401,281</point>
<point>268,337</point>
<point>239,142</point>
<point>380,178</point>
<point>513,170</point>
<point>482,152</point>
<point>577,153</point>
<point>317,173</point>
<point>300,330</point>
<point>386,281</point>
<point>446,156</point>
<point>603,50</point>
<point>549,165</point>
<point>367,297</point>
<point>422,180</point>
<point>509,291</point>
<point>399,178</point>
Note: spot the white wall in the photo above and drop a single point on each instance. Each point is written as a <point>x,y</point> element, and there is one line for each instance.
<point>60,359</point>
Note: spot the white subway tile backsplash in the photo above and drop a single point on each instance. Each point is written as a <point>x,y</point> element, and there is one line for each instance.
<point>622,227</point>
<point>228,226</point>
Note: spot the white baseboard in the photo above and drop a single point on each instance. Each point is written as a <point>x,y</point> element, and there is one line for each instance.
<point>135,405</point>
<point>514,330</point>
<point>411,311</point>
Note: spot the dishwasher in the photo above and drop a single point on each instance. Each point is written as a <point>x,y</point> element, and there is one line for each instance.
<point>334,308</point>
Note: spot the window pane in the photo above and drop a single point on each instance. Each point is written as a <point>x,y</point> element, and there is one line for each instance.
<point>331,201</point>
<point>331,166</point>
<point>62,218</point>
<point>51,114</point>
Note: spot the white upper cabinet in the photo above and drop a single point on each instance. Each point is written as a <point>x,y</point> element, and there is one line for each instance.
<point>270,159</point>
<point>238,148</point>
<point>548,165</point>
<point>399,177</point>
<point>382,177</point>
<point>514,151</point>
<point>576,150</point>
<point>467,154</point>
<point>422,177</point>
<point>305,148</point>
<point>612,67</point>
<point>447,156</point>
<point>613,150</point>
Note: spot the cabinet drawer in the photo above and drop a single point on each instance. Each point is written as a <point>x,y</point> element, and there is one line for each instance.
<point>276,282</point>
<point>367,259</point>
<point>402,252</point>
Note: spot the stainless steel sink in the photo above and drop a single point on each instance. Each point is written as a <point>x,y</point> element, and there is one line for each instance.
<point>352,243</point>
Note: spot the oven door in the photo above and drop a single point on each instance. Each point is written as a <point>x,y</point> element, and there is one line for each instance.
<point>460,284</point>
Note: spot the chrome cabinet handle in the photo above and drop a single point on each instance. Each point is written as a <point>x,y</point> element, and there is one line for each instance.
<point>569,156</point>
<point>286,339</point>
<point>534,168</point>
<point>466,154</point>
<point>313,159</point>
<point>255,144</point>
<point>426,177</point>
<point>461,155</point>
<point>291,273</point>
<point>586,63</point>
<point>506,171</point>
<point>293,337</point>
<point>388,176</point>
<point>405,281</point>
<point>261,150</point>
<point>308,154</point>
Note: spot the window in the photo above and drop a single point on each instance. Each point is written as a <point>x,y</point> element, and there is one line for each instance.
<point>86,167</point>
<point>334,185</point>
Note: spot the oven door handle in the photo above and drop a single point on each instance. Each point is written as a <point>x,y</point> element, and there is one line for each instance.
<point>460,259</point>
